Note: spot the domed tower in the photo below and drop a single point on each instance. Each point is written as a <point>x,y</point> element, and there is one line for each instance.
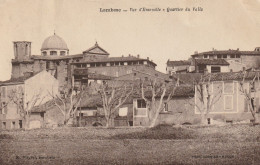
<point>54,46</point>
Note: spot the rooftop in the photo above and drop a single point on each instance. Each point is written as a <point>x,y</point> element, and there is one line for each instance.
<point>54,42</point>
<point>96,49</point>
<point>230,51</point>
<point>178,63</point>
<point>211,62</point>
<point>232,76</point>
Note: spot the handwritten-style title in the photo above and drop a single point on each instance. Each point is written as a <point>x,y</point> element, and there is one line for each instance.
<point>144,9</point>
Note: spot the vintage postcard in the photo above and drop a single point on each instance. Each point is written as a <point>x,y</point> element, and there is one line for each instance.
<point>130,82</point>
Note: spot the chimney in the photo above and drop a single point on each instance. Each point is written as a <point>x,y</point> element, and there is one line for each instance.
<point>129,55</point>
<point>237,49</point>
<point>122,55</point>
<point>147,58</point>
<point>138,55</point>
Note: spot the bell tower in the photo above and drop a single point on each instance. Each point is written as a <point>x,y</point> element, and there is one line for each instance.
<point>22,49</point>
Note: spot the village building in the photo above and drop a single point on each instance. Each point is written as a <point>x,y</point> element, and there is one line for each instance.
<point>22,94</point>
<point>55,58</point>
<point>210,65</point>
<point>237,59</point>
<point>177,66</point>
<point>229,103</point>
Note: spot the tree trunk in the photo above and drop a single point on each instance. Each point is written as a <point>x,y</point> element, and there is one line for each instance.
<point>27,122</point>
<point>256,119</point>
<point>110,122</point>
<point>203,120</point>
<point>154,119</point>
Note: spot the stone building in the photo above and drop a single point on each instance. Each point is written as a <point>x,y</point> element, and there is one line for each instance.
<point>55,59</point>
<point>23,94</point>
<point>177,66</point>
<point>237,59</point>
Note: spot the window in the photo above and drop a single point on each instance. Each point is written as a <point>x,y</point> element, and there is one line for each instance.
<point>219,56</point>
<point>165,107</point>
<point>232,56</point>
<point>48,65</point>
<point>44,53</point>
<point>4,108</point>
<point>13,125</point>
<point>20,124</point>
<point>215,69</point>
<point>224,56</point>
<point>237,55</point>
<point>92,65</point>
<point>123,111</point>
<point>4,125</point>
<point>141,104</point>
<point>129,63</point>
<point>53,53</point>
<point>3,92</point>
<point>62,53</point>
<point>228,102</point>
<point>205,56</point>
<point>141,62</point>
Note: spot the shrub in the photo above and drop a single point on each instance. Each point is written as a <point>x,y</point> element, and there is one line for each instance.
<point>159,132</point>
<point>5,136</point>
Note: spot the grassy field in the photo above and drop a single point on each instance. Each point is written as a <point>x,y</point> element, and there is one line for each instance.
<point>236,144</point>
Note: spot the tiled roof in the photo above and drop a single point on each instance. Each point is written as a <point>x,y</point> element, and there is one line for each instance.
<point>228,52</point>
<point>178,63</point>
<point>18,80</point>
<point>115,59</point>
<point>211,62</point>
<point>44,107</point>
<point>231,76</point>
<point>96,49</point>
<point>39,57</point>
<point>188,78</point>
<point>95,76</point>
<point>92,101</point>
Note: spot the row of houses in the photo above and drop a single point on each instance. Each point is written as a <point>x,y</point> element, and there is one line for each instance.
<point>221,85</point>
<point>217,61</point>
<point>229,103</point>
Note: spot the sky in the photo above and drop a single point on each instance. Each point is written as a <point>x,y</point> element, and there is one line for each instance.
<point>223,24</point>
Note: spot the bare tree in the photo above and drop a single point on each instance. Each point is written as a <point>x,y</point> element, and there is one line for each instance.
<point>155,90</point>
<point>206,97</point>
<point>25,106</point>
<point>67,102</point>
<point>249,96</point>
<point>113,97</point>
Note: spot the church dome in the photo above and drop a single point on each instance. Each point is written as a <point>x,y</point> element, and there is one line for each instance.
<point>54,42</point>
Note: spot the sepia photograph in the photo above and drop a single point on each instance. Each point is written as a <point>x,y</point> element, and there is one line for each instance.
<point>130,82</point>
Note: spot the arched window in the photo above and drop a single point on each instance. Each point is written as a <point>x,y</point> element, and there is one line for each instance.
<point>44,53</point>
<point>62,53</point>
<point>53,53</point>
